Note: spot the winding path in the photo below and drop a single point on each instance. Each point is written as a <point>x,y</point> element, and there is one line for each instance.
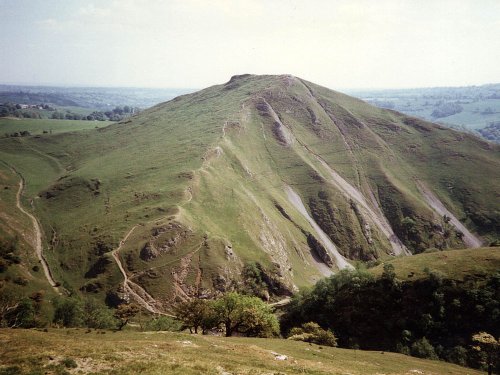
<point>139,294</point>
<point>38,236</point>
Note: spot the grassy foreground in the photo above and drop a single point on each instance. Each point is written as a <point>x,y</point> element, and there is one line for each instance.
<point>61,351</point>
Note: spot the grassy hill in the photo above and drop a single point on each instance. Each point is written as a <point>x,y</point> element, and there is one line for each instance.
<point>38,126</point>
<point>202,186</point>
<point>456,265</point>
<point>105,352</point>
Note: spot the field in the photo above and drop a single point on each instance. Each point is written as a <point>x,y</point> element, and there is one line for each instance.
<point>480,105</point>
<point>63,351</point>
<point>37,126</point>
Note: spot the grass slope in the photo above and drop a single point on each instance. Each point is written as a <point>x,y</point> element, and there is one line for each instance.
<point>24,276</point>
<point>204,175</point>
<point>38,126</point>
<point>176,353</point>
<point>456,265</point>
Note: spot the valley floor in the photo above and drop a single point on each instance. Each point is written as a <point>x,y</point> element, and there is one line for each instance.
<point>77,351</point>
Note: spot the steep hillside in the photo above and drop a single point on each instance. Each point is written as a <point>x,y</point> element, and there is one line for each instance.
<point>434,300</point>
<point>265,180</point>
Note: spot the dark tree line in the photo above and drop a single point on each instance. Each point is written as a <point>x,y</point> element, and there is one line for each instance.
<point>431,318</point>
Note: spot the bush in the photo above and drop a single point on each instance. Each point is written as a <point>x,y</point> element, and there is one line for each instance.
<point>423,349</point>
<point>97,316</point>
<point>69,363</point>
<point>23,315</point>
<point>11,370</point>
<point>68,312</point>
<point>457,355</point>
<point>313,333</point>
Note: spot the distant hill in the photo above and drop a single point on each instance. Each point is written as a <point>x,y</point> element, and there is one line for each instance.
<point>264,184</point>
<point>100,98</point>
<point>470,108</point>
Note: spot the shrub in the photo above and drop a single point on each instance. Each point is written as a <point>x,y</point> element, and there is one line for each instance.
<point>313,333</point>
<point>458,355</point>
<point>69,363</point>
<point>423,349</point>
<point>97,316</point>
<point>11,370</point>
<point>68,312</point>
<point>163,323</point>
<point>23,315</point>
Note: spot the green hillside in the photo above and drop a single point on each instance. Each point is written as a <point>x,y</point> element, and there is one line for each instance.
<point>56,351</point>
<point>36,127</point>
<point>456,265</point>
<point>270,171</point>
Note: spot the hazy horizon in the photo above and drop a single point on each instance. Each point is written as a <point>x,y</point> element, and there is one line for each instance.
<point>180,44</point>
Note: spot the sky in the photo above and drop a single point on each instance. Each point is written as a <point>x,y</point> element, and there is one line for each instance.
<point>346,44</point>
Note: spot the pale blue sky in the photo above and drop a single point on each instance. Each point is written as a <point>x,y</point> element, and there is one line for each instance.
<point>196,43</point>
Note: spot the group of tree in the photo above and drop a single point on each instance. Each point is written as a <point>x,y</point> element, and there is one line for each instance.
<point>117,114</point>
<point>16,110</point>
<point>431,317</point>
<point>446,109</point>
<point>36,112</point>
<point>232,313</point>
<point>491,132</point>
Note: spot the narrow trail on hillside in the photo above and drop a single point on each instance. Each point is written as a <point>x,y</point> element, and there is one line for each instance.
<point>136,291</point>
<point>469,239</point>
<point>296,201</point>
<point>38,236</point>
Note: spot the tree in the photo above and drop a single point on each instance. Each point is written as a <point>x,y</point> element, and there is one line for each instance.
<point>125,312</point>
<point>196,313</point>
<point>9,302</point>
<point>247,315</point>
<point>68,312</point>
<point>487,344</point>
<point>389,273</point>
<point>23,315</point>
<point>97,316</point>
